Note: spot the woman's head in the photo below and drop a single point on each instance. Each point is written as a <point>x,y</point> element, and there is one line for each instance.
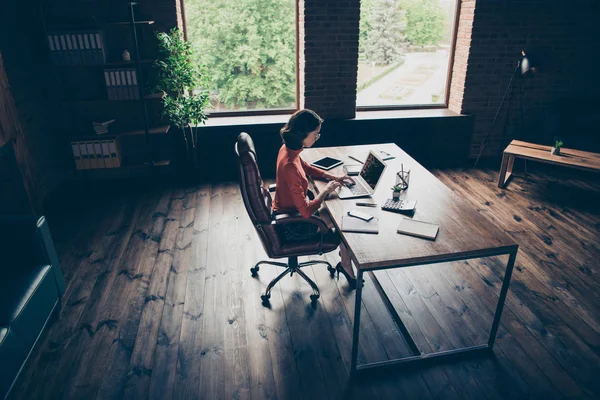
<point>302,130</point>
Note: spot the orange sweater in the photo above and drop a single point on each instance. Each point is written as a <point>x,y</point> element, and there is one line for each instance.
<point>292,184</point>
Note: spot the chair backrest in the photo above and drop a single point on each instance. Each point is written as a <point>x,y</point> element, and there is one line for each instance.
<point>257,198</point>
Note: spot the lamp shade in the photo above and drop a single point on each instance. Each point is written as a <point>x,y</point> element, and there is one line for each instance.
<point>527,64</point>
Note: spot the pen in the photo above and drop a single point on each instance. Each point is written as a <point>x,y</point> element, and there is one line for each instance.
<point>358,203</point>
<point>356,159</point>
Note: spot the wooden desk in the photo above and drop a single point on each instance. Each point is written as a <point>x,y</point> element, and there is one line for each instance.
<point>578,159</point>
<point>464,234</point>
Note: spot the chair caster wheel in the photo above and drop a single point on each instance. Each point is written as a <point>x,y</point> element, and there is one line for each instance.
<point>314,297</point>
<point>254,270</point>
<point>331,270</point>
<point>265,298</point>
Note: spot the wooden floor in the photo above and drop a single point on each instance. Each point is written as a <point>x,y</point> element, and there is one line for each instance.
<point>161,304</point>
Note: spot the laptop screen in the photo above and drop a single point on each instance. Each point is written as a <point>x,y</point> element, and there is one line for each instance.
<point>372,170</point>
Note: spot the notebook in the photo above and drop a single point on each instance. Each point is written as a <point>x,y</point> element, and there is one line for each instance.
<point>420,229</point>
<point>352,169</point>
<point>385,155</point>
<point>351,224</point>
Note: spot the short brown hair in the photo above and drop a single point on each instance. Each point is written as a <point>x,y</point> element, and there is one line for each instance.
<point>301,123</point>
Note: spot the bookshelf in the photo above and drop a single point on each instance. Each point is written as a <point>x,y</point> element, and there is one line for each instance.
<point>86,44</point>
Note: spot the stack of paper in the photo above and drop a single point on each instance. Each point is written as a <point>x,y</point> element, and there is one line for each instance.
<point>102,127</point>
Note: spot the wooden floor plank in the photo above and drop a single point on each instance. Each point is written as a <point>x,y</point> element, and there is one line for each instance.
<point>190,345</point>
<point>233,296</point>
<point>216,316</point>
<point>168,341</point>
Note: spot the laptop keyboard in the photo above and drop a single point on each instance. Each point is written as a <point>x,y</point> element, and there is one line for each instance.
<point>358,189</point>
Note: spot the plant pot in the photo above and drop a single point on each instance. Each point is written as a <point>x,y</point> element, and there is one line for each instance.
<point>555,151</point>
<point>396,195</point>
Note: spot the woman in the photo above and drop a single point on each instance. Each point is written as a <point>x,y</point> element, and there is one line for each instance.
<point>303,130</point>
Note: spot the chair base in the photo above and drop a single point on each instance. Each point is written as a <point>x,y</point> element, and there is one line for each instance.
<point>291,267</point>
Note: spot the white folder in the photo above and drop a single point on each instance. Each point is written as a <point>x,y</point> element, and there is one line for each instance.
<point>77,155</point>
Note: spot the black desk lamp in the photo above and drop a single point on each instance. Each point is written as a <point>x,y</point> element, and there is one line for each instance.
<point>526,67</point>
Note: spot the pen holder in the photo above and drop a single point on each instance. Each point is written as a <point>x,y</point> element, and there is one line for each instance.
<point>402,178</point>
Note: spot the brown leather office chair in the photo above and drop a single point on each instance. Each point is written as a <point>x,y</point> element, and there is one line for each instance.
<point>257,200</point>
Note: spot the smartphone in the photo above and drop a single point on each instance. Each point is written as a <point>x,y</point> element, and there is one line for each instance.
<point>360,215</point>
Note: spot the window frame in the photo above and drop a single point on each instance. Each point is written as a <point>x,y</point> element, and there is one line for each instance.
<point>448,77</point>
<point>270,111</point>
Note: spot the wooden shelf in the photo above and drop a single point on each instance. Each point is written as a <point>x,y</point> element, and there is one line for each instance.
<point>112,64</point>
<point>95,25</point>
<point>153,96</point>
<point>129,23</point>
<point>124,171</point>
<point>160,130</point>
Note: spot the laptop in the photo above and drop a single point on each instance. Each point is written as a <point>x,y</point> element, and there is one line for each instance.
<point>367,180</point>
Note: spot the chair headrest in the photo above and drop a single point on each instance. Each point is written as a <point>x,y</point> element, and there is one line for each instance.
<point>245,145</point>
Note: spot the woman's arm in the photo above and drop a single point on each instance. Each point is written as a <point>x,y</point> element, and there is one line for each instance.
<point>319,173</point>
<point>305,207</point>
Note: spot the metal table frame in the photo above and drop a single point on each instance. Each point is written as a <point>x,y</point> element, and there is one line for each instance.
<point>420,358</point>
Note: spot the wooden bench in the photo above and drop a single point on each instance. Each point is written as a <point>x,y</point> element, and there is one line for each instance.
<point>529,151</point>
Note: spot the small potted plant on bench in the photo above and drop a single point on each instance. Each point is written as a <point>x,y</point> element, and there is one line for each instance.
<point>557,145</point>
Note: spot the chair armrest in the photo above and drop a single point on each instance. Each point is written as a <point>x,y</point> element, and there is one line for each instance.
<point>296,217</point>
<point>282,219</point>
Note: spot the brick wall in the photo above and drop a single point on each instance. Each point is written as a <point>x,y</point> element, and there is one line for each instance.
<point>330,63</point>
<point>561,34</point>
<point>461,54</point>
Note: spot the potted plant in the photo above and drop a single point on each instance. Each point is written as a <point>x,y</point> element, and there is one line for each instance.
<point>557,145</point>
<point>396,192</point>
<point>180,80</point>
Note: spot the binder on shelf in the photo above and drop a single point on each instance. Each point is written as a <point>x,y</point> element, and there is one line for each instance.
<point>100,56</point>
<point>85,160</point>
<point>98,153</point>
<point>124,87</point>
<point>89,57</point>
<point>53,50</point>
<point>91,155</point>
<point>77,155</point>
<point>114,153</point>
<point>113,86</point>
<point>58,48</point>
<point>119,89</point>
<point>108,82</point>
<point>108,163</point>
<point>64,50</point>
<point>82,54</point>
<point>70,57</point>
<point>93,48</point>
<point>136,89</point>
<point>130,92</point>
<point>76,53</point>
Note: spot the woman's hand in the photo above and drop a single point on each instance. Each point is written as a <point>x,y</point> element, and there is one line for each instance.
<point>344,179</point>
<point>332,186</point>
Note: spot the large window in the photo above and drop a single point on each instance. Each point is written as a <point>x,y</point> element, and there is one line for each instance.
<point>248,51</point>
<point>405,50</point>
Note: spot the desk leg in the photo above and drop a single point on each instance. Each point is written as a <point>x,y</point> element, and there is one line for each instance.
<point>502,299</point>
<point>356,330</point>
<point>505,169</point>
